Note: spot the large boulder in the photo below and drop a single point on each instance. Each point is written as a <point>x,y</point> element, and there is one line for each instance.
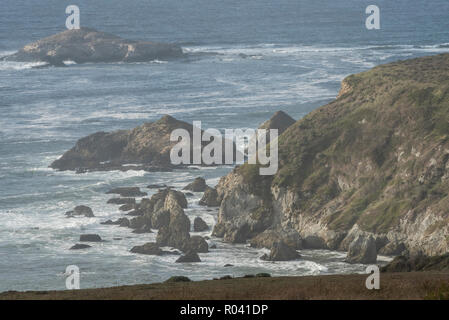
<point>80,211</point>
<point>281,252</point>
<point>210,198</point>
<point>160,218</point>
<point>198,185</point>
<point>197,244</point>
<point>149,248</point>
<point>362,250</point>
<point>271,236</point>
<point>88,45</point>
<point>190,256</point>
<point>199,225</point>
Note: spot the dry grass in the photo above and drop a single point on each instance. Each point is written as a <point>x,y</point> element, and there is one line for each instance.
<point>410,286</point>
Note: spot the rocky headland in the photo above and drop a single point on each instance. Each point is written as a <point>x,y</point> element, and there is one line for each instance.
<point>88,45</point>
<point>366,173</point>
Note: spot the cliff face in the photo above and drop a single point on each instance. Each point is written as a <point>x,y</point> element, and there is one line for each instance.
<point>374,162</point>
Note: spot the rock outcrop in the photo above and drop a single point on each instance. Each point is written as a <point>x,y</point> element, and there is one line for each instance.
<point>80,211</point>
<point>127,192</point>
<point>198,185</point>
<point>362,250</point>
<point>146,147</point>
<point>210,198</point>
<point>190,256</point>
<point>88,45</point>
<point>281,252</point>
<point>149,248</point>
<point>199,225</point>
<point>374,162</point>
<point>418,262</point>
<point>269,237</point>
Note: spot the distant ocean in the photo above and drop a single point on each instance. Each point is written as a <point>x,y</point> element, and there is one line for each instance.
<point>246,60</point>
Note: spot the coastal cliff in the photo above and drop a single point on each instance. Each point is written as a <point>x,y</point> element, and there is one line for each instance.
<point>368,171</point>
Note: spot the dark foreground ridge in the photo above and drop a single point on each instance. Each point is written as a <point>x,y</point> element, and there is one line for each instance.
<point>420,285</point>
<point>88,45</point>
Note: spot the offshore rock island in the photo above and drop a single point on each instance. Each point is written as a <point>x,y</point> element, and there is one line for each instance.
<point>89,45</point>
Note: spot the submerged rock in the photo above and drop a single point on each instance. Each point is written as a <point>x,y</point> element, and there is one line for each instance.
<point>81,211</point>
<point>88,45</point>
<point>127,192</point>
<point>80,246</point>
<point>122,201</point>
<point>90,238</point>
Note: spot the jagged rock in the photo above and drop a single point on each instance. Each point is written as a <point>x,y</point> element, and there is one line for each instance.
<point>127,207</point>
<point>146,147</point>
<point>127,192</point>
<point>88,45</point>
<point>238,234</point>
<point>197,244</point>
<point>210,198</point>
<point>158,186</point>
<point>362,250</point>
<point>140,222</point>
<point>81,211</point>
<point>149,248</point>
<point>280,121</point>
<point>376,157</point>
<point>108,222</point>
<point>122,201</point>
<point>80,246</point>
<point>281,252</point>
<point>199,225</point>
<point>418,262</point>
<point>90,238</point>
<point>198,185</point>
<point>394,248</point>
<point>160,218</point>
<point>270,236</point>
<point>190,256</point>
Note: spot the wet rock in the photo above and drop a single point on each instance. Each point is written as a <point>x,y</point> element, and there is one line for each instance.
<point>90,238</point>
<point>143,229</point>
<point>281,252</point>
<point>149,248</point>
<point>127,207</point>
<point>199,225</point>
<point>227,265</point>
<point>237,234</point>
<point>127,192</point>
<point>190,256</point>
<point>81,211</point>
<point>198,185</point>
<point>80,246</point>
<point>139,222</point>
<point>122,201</point>
<point>158,186</point>
<point>210,198</point>
<point>269,237</point>
<point>362,250</point>
<point>198,244</point>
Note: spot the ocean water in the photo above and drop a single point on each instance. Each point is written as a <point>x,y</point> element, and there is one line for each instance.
<point>245,60</point>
